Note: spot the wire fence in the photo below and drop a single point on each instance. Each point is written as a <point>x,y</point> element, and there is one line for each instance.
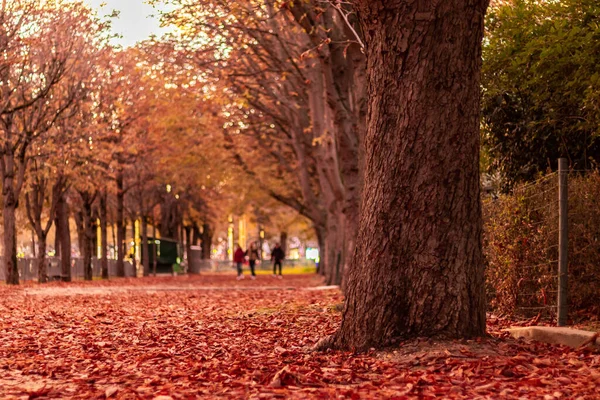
<point>537,274</point>
<point>542,239</point>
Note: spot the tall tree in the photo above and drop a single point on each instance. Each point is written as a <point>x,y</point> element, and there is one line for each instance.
<point>418,265</point>
<point>45,46</point>
<point>35,198</point>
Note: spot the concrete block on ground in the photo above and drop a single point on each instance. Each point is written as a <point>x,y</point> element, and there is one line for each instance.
<point>319,288</point>
<point>555,335</point>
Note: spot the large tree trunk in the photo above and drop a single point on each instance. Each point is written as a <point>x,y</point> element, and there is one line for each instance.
<point>120,226</point>
<point>104,234</point>
<point>418,265</point>
<point>10,240</point>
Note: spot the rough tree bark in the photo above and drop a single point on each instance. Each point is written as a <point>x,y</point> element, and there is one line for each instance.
<point>12,170</point>
<point>418,265</point>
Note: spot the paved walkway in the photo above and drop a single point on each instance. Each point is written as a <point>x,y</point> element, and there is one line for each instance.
<point>105,290</point>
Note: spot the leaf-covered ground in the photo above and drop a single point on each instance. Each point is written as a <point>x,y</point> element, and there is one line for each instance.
<point>215,337</point>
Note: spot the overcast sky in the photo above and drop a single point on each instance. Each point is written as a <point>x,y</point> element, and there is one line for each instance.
<point>134,22</point>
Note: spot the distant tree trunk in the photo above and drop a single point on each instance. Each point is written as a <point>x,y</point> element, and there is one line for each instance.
<point>170,218</point>
<point>33,250</point>
<point>87,260</point>
<point>94,238</point>
<point>41,259</point>
<point>145,246</point>
<point>197,236</point>
<point>333,249</point>
<point>64,230</point>
<point>321,239</point>
<point>181,230</point>
<point>120,226</point>
<point>104,233</point>
<point>12,170</point>
<point>79,224</point>
<point>206,241</point>
<point>418,265</point>
<point>134,247</point>
<point>261,241</point>
<point>57,252</point>
<point>88,226</point>
<point>188,242</point>
<point>283,242</point>
<point>113,233</point>
<point>153,248</point>
<point>10,240</point>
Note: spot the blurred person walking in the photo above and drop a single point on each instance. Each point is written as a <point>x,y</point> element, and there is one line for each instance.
<point>252,254</point>
<point>238,259</point>
<point>277,256</point>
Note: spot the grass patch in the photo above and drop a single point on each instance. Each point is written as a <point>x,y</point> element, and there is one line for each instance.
<point>299,270</point>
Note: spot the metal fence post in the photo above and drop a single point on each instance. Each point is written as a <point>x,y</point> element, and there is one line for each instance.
<point>563,241</point>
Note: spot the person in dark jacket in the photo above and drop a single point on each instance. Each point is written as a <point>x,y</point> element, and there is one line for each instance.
<point>277,256</point>
<point>252,254</point>
<point>238,259</point>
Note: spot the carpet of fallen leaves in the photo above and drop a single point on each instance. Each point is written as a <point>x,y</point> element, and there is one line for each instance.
<point>211,336</point>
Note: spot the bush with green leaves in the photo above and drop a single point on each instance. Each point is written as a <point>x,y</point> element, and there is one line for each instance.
<point>541,87</point>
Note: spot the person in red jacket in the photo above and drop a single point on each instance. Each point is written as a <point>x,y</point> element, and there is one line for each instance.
<point>238,259</point>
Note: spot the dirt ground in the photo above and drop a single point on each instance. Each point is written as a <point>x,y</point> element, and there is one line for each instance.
<point>211,336</point>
